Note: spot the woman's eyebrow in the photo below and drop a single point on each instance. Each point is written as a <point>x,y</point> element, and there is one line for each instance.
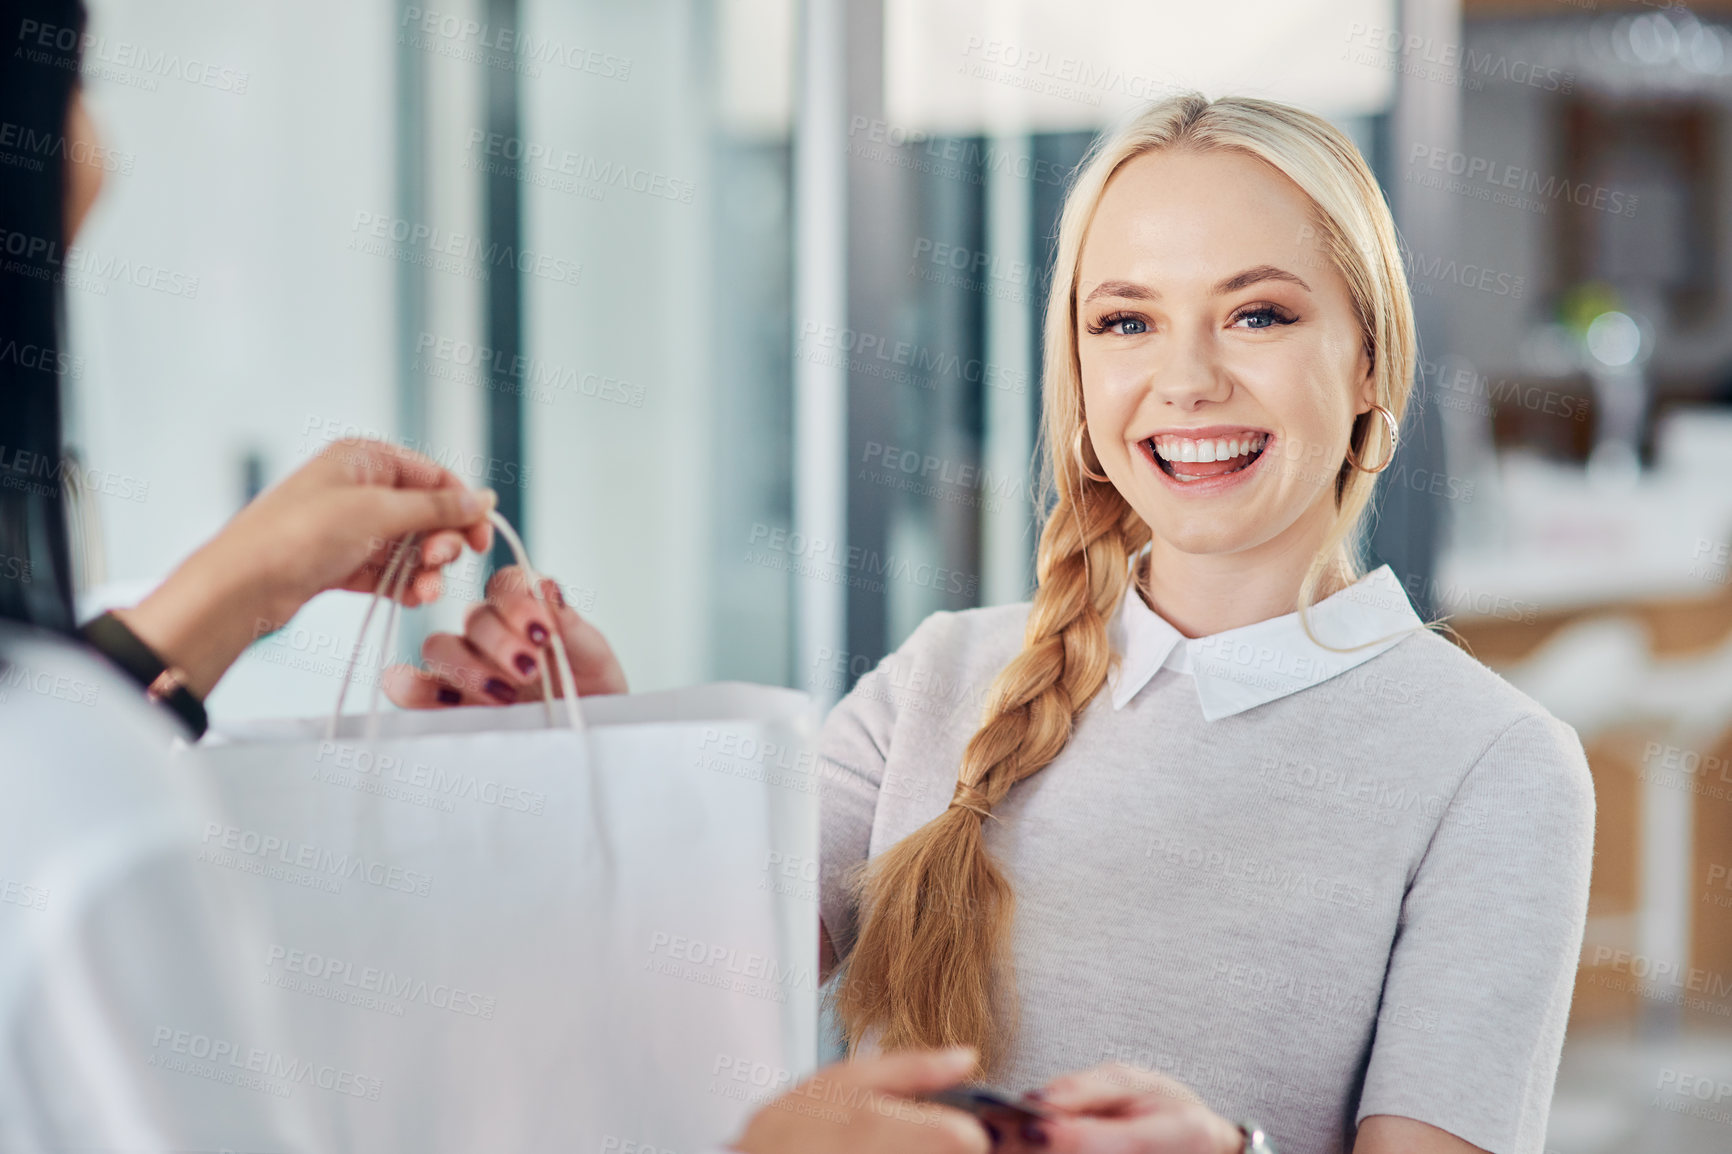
<point>1252,276</point>
<point>1130,290</point>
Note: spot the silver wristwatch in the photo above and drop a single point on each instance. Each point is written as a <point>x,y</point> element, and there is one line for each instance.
<point>1256,1141</point>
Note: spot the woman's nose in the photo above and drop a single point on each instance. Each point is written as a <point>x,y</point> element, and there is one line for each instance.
<point>1191,373</point>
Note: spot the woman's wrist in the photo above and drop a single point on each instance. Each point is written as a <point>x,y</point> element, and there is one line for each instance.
<point>205,615</point>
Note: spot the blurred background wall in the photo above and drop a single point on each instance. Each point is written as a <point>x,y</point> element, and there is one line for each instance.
<point>736,303</point>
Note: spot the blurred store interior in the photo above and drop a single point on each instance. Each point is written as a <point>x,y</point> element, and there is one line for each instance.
<point>758,369</point>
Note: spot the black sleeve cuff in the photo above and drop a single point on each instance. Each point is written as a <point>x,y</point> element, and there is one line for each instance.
<point>109,635</point>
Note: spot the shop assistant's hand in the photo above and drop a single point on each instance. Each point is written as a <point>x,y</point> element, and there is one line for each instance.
<point>1120,1109</point>
<point>498,658</point>
<point>865,1107</point>
<point>331,524</point>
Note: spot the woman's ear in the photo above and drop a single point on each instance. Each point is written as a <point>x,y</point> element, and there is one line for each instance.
<point>1366,393</point>
<point>83,177</point>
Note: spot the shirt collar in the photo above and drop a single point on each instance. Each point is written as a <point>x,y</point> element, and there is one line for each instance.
<point>1242,668</point>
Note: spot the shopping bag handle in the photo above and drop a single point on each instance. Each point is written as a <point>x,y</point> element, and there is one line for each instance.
<point>396,578</point>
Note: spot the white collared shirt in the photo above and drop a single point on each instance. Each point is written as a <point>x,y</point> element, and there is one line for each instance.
<point>1238,669</point>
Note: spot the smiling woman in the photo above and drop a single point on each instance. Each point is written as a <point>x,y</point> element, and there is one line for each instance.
<point>1231,815</point>
<point>1229,349</point>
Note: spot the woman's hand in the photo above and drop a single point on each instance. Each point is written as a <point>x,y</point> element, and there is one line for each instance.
<point>498,658</point>
<point>865,1107</point>
<point>1120,1109</point>
<point>332,524</point>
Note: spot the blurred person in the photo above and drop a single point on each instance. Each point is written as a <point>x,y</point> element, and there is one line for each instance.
<point>1252,824</point>
<point>119,955</point>
<point>115,947</point>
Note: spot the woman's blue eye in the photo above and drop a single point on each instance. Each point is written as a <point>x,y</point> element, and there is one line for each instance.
<point>1263,318</point>
<point>1119,324</point>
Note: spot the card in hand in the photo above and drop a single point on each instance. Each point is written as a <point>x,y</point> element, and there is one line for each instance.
<point>992,1107</point>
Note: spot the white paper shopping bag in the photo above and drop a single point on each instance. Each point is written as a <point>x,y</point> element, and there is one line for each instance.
<point>489,933</point>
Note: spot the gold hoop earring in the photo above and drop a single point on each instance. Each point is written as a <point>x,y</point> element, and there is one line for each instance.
<point>1394,442</point>
<point>1076,449</point>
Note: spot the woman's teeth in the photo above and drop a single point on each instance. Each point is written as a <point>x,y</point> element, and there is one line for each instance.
<point>1224,454</point>
<point>1173,449</point>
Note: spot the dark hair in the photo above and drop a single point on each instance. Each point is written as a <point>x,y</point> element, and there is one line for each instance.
<point>43,42</point>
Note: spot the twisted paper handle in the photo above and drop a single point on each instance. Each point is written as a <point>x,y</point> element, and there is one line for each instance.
<point>396,578</point>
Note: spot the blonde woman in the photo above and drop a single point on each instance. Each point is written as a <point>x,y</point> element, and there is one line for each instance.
<point>1229,823</point>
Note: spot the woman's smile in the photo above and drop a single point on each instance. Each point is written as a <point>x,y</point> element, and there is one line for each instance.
<point>1204,461</point>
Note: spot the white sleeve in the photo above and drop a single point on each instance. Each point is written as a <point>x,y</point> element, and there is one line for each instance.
<point>126,1017</point>
<point>123,1025</point>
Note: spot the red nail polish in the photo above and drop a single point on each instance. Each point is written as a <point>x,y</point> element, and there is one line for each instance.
<point>499,691</point>
<point>537,635</point>
<point>449,696</point>
<point>525,664</point>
